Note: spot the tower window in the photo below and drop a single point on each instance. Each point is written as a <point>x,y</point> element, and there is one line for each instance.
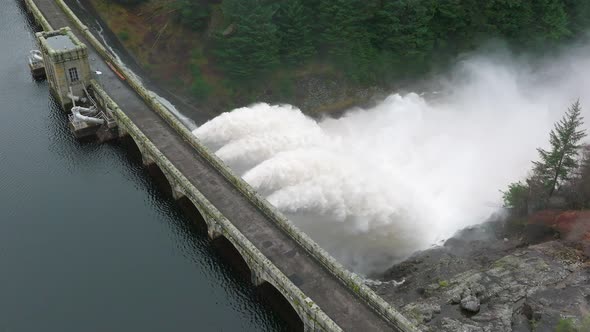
<point>73,74</point>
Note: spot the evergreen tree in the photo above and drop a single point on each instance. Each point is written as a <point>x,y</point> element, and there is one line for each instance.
<point>344,23</point>
<point>411,39</point>
<point>347,38</point>
<point>372,40</point>
<point>253,47</point>
<point>557,168</point>
<point>295,33</point>
<point>558,163</point>
<point>551,21</point>
<point>516,198</point>
<point>511,19</point>
<point>194,14</point>
<point>314,21</point>
<point>578,12</point>
<point>451,25</point>
<point>336,20</point>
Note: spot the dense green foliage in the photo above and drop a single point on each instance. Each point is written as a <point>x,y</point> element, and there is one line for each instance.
<point>516,197</point>
<point>369,42</point>
<point>557,168</point>
<point>194,13</point>
<point>252,48</point>
<point>295,35</point>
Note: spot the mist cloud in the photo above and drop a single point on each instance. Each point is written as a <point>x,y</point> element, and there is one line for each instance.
<point>377,184</point>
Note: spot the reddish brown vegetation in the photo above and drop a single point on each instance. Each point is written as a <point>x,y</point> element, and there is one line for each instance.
<point>571,225</point>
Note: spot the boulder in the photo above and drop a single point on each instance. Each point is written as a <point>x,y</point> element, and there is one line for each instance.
<point>470,303</point>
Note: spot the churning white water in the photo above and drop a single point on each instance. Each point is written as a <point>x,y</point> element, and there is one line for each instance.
<point>377,184</point>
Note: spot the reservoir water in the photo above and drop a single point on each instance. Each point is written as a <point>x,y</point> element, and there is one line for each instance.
<point>88,242</point>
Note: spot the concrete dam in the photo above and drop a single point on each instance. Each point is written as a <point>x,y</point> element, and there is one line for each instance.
<point>325,296</point>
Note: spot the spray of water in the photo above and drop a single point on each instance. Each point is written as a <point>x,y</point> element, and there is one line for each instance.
<point>377,184</point>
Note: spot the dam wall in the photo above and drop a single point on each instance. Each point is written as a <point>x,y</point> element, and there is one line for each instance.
<point>217,225</point>
<point>263,270</point>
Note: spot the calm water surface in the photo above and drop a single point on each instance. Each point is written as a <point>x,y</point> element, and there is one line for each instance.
<point>87,241</point>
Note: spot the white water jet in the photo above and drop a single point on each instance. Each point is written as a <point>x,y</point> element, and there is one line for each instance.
<point>377,184</point>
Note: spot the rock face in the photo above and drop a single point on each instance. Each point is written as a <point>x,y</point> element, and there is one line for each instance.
<point>470,303</point>
<point>514,287</point>
<point>318,94</point>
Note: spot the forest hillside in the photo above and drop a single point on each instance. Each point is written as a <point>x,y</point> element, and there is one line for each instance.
<point>324,55</point>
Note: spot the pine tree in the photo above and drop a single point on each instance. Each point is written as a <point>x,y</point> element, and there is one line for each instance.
<point>411,39</point>
<point>558,163</point>
<point>552,20</point>
<point>510,19</point>
<point>516,198</point>
<point>336,25</point>
<point>194,14</point>
<point>451,25</point>
<point>347,37</point>
<point>578,12</point>
<point>557,167</point>
<point>295,33</point>
<point>253,48</point>
<point>344,23</point>
<point>315,24</point>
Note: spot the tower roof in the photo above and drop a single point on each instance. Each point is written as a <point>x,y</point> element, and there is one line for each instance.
<point>62,45</point>
<point>60,42</point>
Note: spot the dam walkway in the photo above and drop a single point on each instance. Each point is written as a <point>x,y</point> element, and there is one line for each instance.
<point>336,299</point>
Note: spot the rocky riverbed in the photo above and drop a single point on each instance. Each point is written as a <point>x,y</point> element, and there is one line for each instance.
<point>521,275</point>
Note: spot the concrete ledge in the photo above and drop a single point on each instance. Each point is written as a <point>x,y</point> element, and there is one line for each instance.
<point>351,280</point>
<point>313,317</point>
<point>39,17</point>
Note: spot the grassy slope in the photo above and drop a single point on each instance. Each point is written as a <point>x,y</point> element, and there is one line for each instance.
<point>165,49</point>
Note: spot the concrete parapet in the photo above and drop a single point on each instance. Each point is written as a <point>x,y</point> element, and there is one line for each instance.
<point>213,230</point>
<point>39,17</point>
<point>351,280</point>
<point>264,270</point>
<point>313,318</point>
